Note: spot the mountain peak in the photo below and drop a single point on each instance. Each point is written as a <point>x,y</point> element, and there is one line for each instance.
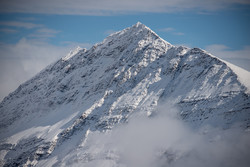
<point>134,31</point>
<point>139,25</point>
<point>137,36</point>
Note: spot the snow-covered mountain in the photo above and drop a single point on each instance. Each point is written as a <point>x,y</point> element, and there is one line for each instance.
<point>131,73</point>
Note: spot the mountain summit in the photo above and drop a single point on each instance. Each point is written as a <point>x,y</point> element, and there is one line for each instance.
<point>132,72</point>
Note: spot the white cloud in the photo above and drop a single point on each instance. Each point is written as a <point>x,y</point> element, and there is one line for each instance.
<point>20,24</point>
<point>110,7</point>
<point>225,52</point>
<point>238,57</point>
<point>47,31</point>
<point>178,33</point>
<point>44,33</point>
<point>171,31</point>
<point>20,61</point>
<point>27,18</point>
<point>38,30</point>
<point>168,29</point>
<point>8,30</point>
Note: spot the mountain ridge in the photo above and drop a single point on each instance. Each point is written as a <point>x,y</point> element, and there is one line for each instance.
<point>131,71</point>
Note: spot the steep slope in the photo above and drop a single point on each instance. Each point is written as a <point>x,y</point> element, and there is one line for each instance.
<point>131,71</point>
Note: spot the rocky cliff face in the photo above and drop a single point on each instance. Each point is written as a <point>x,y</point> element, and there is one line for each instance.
<point>133,71</point>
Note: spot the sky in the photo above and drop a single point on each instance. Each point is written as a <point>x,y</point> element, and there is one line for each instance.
<point>34,34</point>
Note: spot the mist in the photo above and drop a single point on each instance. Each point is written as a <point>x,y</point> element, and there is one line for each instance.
<point>163,140</point>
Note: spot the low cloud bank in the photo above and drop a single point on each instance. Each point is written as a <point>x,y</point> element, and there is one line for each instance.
<point>163,140</point>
